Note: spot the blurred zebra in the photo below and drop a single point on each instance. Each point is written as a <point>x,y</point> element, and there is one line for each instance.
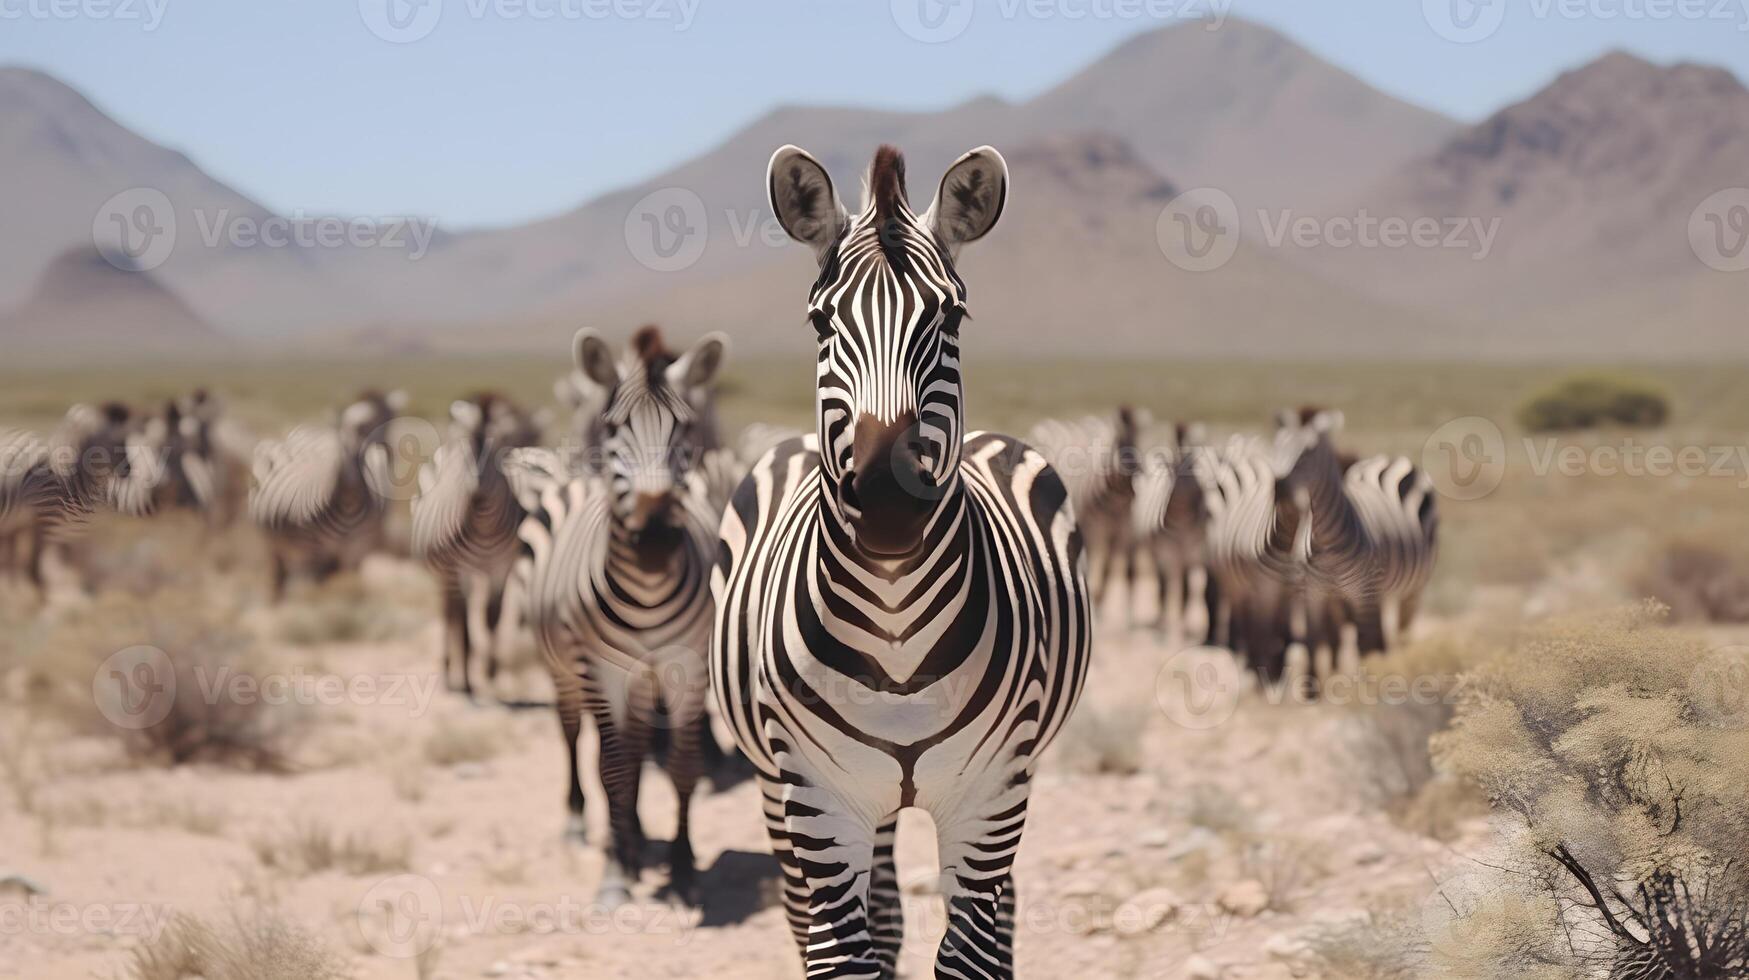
<point>1171,519</point>
<point>1098,459</point>
<point>320,494</point>
<point>617,562</point>
<point>49,488</point>
<point>1256,547</point>
<point>465,518</point>
<point>188,456</point>
<point>585,398</point>
<point>1372,525</point>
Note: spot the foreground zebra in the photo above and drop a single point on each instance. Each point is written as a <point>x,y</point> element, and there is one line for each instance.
<point>902,619</point>
<point>465,520</point>
<point>1097,459</point>
<point>319,494</point>
<point>50,488</point>
<point>617,564</point>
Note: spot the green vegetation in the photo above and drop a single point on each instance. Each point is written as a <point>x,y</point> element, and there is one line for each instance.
<point>1590,401</point>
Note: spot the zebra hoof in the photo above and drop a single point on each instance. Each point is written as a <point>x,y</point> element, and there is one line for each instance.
<point>613,894</point>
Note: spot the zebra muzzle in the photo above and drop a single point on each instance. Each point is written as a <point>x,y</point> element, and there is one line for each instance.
<point>887,494</point>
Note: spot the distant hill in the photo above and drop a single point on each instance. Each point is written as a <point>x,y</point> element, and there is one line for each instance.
<point>91,303</point>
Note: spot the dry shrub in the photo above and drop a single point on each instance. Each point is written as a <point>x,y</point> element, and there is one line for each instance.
<point>1106,741</point>
<point>1700,583</point>
<point>1384,944</point>
<point>216,713</point>
<point>1620,749</point>
<point>1286,867</point>
<point>342,610</point>
<point>310,847</point>
<point>257,943</point>
<point>1590,401</point>
<point>464,738</point>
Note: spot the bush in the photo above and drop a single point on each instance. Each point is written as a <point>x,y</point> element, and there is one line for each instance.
<point>256,944</point>
<point>1620,750</point>
<point>1700,583</point>
<point>1592,401</point>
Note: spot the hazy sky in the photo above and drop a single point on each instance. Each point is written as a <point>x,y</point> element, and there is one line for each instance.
<point>495,111</point>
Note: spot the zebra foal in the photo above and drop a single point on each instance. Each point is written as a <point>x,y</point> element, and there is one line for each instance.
<point>902,619</point>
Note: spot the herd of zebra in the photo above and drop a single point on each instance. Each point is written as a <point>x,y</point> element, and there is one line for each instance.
<point>887,612</point>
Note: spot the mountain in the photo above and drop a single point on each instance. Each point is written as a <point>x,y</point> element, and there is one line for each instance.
<point>95,303</point>
<point>1074,268</point>
<point>1593,182</point>
<point>69,159</point>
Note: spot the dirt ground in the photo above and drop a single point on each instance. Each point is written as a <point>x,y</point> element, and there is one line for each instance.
<point>1161,843</point>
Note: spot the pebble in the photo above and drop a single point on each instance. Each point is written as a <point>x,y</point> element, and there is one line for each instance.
<point>1201,968</point>
<point>1247,898</point>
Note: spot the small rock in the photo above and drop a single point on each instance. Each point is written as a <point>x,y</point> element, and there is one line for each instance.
<point>1201,968</point>
<point>1284,946</point>
<point>1247,898</point>
<point>1368,853</point>
<point>1147,911</point>
<point>1197,839</point>
<point>1154,837</point>
<point>20,886</point>
<point>498,969</point>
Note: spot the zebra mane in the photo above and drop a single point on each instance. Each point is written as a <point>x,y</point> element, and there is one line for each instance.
<point>886,184</point>
<point>652,352</point>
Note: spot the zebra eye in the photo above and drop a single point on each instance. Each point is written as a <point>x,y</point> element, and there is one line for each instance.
<point>822,325</point>
<point>950,323</point>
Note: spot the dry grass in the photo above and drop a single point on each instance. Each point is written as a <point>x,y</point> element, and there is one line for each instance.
<point>257,943</point>
<point>1385,944</point>
<point>310,847</point>
<point>1287,867</point>
<point>462,739</point>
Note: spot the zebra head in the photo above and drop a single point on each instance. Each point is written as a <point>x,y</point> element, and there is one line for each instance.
<point>886,309</point>
<point>1303,452</point>
<point>490,425</point>
<point>365,421</point>
<point>646,443</point>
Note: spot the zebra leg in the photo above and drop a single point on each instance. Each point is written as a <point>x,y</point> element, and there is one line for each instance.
<point>33,569</point>
<point>1390,623</point>
<point>494,614</point>
<point>834,849</point>
<point>885,912</point>
<point>1369,628</point>
<point>570,707</point>
<point>456,642</point>
<point>685,761</point>
<point>1129,584</point>
<point>1218,631</point>
<point>977,862</point>
<point>1162,589</point>
<point>794,886</point>
<point>623,748</point>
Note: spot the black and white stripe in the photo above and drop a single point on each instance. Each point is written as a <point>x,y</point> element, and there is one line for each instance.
<point>1170,520</point>
<point>617,561</point>
<point>49,488</point>
<point>1256,557</point>
<point>902,615</point>
<point>319,495</point>
<point>465,520</point>
<point>1098,458</point>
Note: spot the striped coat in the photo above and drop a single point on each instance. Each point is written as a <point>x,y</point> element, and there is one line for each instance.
<point>49,488</point>
<point>616,560</point>
<point>320,495</point>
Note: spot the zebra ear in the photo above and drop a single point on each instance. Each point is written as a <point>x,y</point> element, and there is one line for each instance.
<point>803,199</point>
<point>1329,420</point>
<point>396,400</point>
<point>594,358</point>
<point>465,413</point>
<point>698,366</point>
<point>973,193</point>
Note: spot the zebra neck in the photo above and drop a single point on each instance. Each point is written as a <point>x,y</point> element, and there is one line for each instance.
<point>893,619</point>
<point>1337,537</point>
<point>626,575</point>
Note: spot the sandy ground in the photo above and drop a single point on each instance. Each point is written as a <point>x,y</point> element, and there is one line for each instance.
<point>1140,873</point>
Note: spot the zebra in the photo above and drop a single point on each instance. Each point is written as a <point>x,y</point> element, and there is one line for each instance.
<point>1256,546</point>
<point>617,563</point>
<point>465,519</point>
<point>50,488</point>
<point>585,398</point>
<point>1098,458</point>
<point>319,494</point>
<point>1372,525</point>
<point>902,614</point>
<point>1170,520</point>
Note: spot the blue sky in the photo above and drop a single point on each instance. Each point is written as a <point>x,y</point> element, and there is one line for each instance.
<point>495,115</point>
